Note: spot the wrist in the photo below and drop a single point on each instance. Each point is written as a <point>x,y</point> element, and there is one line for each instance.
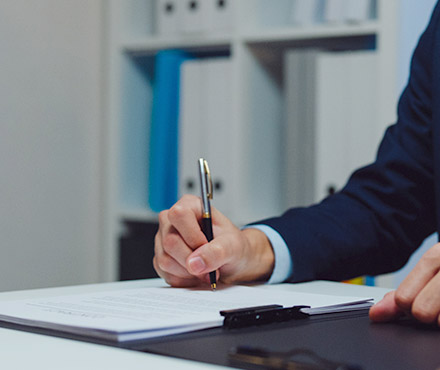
<point>259,247</point>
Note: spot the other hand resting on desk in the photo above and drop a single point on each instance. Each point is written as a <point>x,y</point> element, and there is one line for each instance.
<point>418,295</point>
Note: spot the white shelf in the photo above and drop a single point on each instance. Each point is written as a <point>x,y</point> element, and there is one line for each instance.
<point>205,43</point>
<point>315,32</point>
<point>151,45</point>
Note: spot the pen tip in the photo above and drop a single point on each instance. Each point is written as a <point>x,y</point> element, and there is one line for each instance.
<point>213,286</point>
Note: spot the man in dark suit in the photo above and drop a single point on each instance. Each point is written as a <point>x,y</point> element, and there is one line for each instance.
<point>370,227</point>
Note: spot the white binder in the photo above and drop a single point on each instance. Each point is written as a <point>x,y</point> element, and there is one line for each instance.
<point>205,116</point>
<point>168,16</point>
<point>332,123</point>
<point>332,126</point>
<point>217,128</point>
<point>364,128</point>
<point>299,130</point>
<point>348,128</point>
<point>190,126</point>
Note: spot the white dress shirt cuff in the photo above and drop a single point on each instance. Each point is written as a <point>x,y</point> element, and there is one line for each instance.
<point>283,263</point>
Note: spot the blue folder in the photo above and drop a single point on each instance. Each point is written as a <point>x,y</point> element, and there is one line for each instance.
<point>163,161</point>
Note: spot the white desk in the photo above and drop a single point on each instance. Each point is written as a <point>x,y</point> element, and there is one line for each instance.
<point>22,350</point>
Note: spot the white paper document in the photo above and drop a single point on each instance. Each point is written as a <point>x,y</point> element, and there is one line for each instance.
<point>133,314</point>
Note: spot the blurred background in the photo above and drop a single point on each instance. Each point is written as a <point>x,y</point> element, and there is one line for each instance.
<point>82,154</point>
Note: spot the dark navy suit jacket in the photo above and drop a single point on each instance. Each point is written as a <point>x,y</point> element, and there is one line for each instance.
<point>387,208</point>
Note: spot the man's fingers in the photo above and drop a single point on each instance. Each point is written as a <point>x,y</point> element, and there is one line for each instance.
<point>178,282</point>
<point>426,306</point>
<point>169,265</point>
<point>386,309</point>
<point>176,278</point>
<point>164,263</point>
<point>170,240</point>
<point>174,246</point>
<point>418,278</point>
<point>418,295</point>
<point>184,216</point>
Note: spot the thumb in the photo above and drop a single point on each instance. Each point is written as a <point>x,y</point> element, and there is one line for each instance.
<point>209,257</point>
<point>386,309</point>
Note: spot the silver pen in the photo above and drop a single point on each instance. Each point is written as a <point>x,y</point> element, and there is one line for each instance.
<point>206,187</point>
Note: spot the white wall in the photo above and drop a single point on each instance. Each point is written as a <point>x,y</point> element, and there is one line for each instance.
<point>50,144</point>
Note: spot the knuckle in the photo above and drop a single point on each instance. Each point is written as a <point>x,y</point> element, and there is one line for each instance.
<point>157,243</point>
<point>165,263</point>
<point>436,249</point>
<point>177,282</point>
<point>163,217</point>
<point>173,281</point>
<point>388,294</point>
<point>195,239</point>
<point>403,300</point>
<point>170,243</point>
<point>177,212</point>
<point>214,255</point>
<point>157,267</point>
<point>432,256</point>
<point>422,313</point>
<point>218,252</point>
<point>188,198</point>
<point>155,264</point>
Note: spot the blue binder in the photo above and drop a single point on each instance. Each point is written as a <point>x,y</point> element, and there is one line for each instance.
<point>163,161</point>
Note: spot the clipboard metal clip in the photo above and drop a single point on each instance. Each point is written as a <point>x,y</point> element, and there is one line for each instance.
<point>261,315</point>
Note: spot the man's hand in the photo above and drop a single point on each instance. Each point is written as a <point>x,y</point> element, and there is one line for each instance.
<point>183,257</point>
<point>418,295</point>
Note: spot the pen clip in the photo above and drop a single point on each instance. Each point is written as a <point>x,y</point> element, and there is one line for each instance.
<point>208,179</point>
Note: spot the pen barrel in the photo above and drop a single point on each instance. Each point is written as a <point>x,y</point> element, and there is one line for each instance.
<point>207,228</point>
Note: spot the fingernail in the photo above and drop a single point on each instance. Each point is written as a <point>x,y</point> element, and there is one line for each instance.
<point>196,265</point>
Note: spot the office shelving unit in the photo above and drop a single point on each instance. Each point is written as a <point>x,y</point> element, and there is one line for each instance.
<point>255,44</point>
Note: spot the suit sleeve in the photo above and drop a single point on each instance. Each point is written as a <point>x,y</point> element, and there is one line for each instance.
<point>387,208</point>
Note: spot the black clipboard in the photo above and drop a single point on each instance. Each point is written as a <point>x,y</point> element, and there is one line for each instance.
<point>348,338</point>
